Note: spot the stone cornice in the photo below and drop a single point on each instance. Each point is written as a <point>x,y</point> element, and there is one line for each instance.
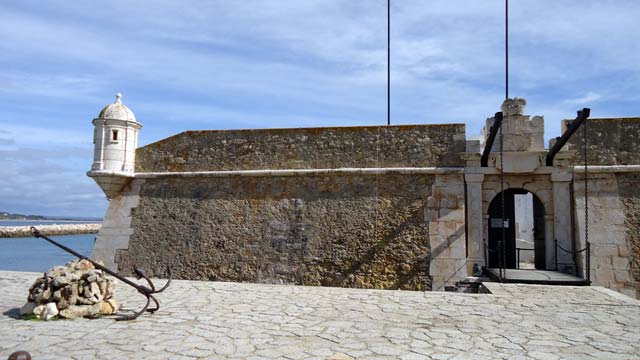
<point>306,172</point>
<point>607,168</point>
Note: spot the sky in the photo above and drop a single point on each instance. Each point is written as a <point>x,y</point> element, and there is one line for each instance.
<point>227,64</point>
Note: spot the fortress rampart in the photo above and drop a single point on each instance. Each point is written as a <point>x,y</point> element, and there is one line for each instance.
<point>614,200</point>
<point>306,148</point>
<point>323,206</point>
<point>391,207</point>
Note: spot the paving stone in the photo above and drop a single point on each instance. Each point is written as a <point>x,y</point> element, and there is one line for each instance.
<point>243,321</point>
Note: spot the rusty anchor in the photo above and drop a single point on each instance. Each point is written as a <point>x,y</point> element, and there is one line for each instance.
<point>147,292</point>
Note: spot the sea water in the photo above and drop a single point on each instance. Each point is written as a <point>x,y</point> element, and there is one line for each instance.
<point>31,254</point>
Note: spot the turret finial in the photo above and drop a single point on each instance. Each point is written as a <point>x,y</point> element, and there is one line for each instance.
<point>118,98</point>
<point>513,106</point>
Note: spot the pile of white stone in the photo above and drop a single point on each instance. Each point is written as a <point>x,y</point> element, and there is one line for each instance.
<point>74,290</point>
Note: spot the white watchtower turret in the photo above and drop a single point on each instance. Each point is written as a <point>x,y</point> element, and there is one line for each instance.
<point>115,139</point>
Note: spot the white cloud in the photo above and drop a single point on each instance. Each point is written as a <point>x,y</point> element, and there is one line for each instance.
<point>76,86</point>
<point>199,64</point>
<point>50,182</point>
<point>46,136</point>
<point>588,98</point>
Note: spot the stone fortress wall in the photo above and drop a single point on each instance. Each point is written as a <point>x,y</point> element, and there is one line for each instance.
<point>368,207</point>
<point>613,152</point>
<point>306,148</point>
<point>392,207</point>
<point>610,141</point>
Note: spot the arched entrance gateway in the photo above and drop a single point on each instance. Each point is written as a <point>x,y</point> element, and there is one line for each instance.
<point>524,235</point>
<point>510,168</point>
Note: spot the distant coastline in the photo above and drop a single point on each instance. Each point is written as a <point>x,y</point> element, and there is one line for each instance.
<point>7,216</point>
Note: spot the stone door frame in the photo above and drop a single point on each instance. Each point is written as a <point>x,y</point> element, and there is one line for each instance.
<point>552,186</point>
<point>511,262</point>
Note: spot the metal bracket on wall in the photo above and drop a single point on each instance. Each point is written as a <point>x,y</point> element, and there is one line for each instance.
<point>493,131</point>
<point>583,115</point>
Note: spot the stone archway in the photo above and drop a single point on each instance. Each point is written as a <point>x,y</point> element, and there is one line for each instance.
<point>514,251</point>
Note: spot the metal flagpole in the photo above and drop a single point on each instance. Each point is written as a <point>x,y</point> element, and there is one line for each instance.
<point>503,250</point>
<point>388,62</point>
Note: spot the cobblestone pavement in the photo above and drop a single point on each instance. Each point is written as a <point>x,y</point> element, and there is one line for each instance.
<point>229,320</point>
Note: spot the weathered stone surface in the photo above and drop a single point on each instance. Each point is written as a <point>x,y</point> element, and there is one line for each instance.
<point>629,189</point>
<point>608,224</point>
<point>27,308</point>
<point>37,310</point>
<point>354,231</point>
<point>78,311</point>
<point>213,320</point>
<point>74,290</point>
<point>445,215</point>
<point>116,225</point>
<point>610,141</point>
<point>108,307</point>
<point>514,106</point>
<point>338,147</point>
<point>335,229</point>
<point>83,265</point>
<point>340,356</point>
<point>521,133</point>
<point>49,311</point>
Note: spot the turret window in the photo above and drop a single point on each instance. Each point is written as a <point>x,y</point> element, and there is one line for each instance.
<point>114,135</point>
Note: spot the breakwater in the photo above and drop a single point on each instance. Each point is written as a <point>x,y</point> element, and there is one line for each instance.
<point>57,229</point>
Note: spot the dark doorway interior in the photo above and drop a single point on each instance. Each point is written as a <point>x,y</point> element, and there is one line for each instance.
<point>496,224</point>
